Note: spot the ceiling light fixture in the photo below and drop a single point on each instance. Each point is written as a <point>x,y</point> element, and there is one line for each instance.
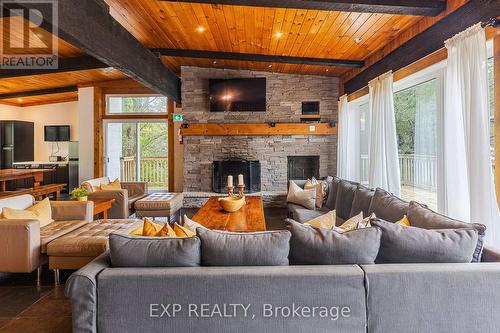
<point>358,40</point>
<point>327,70</point>
<point>200,29</point>
<point>269,66</point>
<point>214,62</point>
<point>19,100</point>
<point>279,34</point>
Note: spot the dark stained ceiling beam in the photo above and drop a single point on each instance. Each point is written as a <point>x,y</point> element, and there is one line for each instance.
<point>257,58</point>
<point>403,7</point>
<point>65,65</point>
<point>31,93</point>
<point>427,42</point>
<point>88,26</point>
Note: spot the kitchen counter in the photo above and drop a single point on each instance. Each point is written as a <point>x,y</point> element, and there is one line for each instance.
<point>41,163</point>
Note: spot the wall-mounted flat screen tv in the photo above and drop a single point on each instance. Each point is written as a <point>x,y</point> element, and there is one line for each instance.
<point>238,95</point>
<point>57,133</point>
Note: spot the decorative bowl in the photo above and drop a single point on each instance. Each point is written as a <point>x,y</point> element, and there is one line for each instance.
<point>232,204</point>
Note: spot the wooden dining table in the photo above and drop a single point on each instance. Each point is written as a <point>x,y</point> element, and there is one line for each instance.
<point>13,174</point>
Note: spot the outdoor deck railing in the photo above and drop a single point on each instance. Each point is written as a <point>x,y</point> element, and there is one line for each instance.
<point>418,171</point>
<point>153,170</point>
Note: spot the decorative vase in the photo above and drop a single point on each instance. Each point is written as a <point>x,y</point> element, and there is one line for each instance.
<point>231,204</point>
<point>82,198</point>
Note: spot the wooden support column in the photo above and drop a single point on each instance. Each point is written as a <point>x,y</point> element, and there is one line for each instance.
<point>496,55</point>
<point>99,110</point>
<point>171,152</point>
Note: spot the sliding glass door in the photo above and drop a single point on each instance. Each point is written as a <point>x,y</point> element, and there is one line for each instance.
<point>137,151</point>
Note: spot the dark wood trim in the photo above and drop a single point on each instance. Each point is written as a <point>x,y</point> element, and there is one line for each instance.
<point>171,148</point>
<point>109,42</point>
<point>49,91</point>
<point>258,57</point>
<point>427,42</point>
<point>406,7</point>
<point>99,109</point>
<point>65,65</point>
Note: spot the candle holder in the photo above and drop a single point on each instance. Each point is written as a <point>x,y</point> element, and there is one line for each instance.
<point>230,190</point>
<point>241,190</point>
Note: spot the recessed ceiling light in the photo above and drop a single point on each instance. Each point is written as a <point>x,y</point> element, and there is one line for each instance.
<point>279,34</point>
<point>358,40</point>
<point>201,29</point>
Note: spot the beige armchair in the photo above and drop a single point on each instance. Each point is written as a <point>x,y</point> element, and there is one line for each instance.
<point>124,198</point>
<point>23,242</point>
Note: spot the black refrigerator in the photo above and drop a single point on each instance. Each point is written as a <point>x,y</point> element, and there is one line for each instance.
<point>16,142</point>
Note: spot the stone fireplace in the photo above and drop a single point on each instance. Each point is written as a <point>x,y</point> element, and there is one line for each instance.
<point>285,94</point>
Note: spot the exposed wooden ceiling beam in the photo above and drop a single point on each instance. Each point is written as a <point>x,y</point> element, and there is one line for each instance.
<point>406,7</point>
<point>427,42</point>
<point>65,65</point>
<point>39,92</point>
<point>257,57</point>
<point>109,42</point>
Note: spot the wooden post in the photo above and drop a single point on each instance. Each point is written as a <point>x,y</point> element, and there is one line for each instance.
<point>496,93</point>
<point>171,164</point>
<point>99,110</point>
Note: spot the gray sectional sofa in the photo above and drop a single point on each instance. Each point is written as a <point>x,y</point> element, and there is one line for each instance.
<point>373,298</point>
<point>425,297</point>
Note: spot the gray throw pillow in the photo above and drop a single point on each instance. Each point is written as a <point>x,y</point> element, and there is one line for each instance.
<point>387,206</point>
<point>138,251</point>
<point>332,193</point>
<point>300,196</point>
<point>401,244</point>
<point>362,201</point>
<point>423,217</point>
<point>318,246</point>
<point>269,248</point>
<point>345,196</point>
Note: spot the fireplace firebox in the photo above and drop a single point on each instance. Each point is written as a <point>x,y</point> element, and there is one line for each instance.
<point>303,167</point>
<point>249,169</point>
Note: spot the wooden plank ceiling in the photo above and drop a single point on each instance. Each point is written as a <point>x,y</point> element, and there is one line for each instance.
<point>270,31</point>
<point>54,80</point>
<point>240,29</point>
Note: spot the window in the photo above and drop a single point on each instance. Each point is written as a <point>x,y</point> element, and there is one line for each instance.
<point>416,111</point>
<point>139,104</point>
<point>137,151</point>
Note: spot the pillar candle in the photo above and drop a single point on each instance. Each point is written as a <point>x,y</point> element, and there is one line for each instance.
<point>240,180</point>
<point>229,180</point>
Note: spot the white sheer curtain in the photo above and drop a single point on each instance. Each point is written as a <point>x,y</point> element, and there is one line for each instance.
<point>383,145</point>
<point>468,188</point>
<point>348,148</point>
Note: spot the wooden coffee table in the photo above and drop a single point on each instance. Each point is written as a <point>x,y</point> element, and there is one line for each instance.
<point>248,218</point>
<point>101,207</point>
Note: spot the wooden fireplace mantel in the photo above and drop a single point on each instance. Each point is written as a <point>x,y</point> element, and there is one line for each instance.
<point>240,129</point>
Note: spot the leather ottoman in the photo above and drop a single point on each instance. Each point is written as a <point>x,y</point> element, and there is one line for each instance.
<point>159,205</point>
<point>79,247</point>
